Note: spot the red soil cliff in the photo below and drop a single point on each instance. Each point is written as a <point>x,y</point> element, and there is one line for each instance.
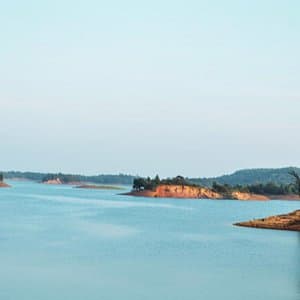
<point>178,191</point>
<point>194,192</point>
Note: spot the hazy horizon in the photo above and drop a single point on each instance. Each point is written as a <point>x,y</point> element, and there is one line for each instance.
<point>144,175</point>
<point>200,89</point>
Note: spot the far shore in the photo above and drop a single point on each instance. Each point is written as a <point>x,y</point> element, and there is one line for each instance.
<point>98,187</point>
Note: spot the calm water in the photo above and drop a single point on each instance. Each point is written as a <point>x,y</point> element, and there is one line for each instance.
<point>59,243</point>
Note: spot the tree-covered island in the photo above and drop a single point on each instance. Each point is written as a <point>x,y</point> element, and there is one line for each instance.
<point>180,187</point>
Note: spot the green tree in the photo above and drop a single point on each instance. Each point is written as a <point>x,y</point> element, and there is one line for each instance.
<point>139,183</point>
<point>156,180</point>
<point>297,180</point>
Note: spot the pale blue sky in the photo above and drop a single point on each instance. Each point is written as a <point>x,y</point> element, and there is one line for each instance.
<point>197,88</point>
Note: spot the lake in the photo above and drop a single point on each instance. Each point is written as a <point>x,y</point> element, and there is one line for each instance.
<point>61,243</point>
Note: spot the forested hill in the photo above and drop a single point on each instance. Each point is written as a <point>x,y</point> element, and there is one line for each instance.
<point>65,178</point>
<point>242,177</point>
<point>250,176</point>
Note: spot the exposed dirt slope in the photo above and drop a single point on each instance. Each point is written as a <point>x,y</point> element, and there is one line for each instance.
<point>178,191</point>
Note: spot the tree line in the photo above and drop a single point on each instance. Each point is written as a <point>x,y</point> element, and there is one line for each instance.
<point>100,179</point>
<point>260,188</point>
<point>147,183</point>
<point>270,188</point>
<point>250,177</point>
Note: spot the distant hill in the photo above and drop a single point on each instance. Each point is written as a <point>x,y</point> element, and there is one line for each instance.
<point>242,177</point>
<point>250,176</point>
<point>101,179</point>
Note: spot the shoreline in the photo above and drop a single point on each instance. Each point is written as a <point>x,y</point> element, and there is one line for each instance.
<point>98,187</point>
<point>192,192</point>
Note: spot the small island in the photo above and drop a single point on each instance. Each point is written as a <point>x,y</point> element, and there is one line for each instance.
<point>289,221</point>
<point>180,187</point>
<point>60,179</point>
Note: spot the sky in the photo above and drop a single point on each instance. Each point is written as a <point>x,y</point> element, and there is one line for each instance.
<point>197,88</point>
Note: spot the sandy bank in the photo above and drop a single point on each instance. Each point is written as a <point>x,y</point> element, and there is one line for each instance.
<point>98,187</point>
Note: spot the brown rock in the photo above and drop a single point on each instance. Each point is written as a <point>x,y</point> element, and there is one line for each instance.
<point>289,221</point>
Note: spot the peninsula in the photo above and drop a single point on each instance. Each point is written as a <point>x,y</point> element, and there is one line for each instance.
<point>289,221</point>
<point>180,187</point>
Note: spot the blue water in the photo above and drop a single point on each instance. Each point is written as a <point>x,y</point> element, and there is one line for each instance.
<point>60,243</point>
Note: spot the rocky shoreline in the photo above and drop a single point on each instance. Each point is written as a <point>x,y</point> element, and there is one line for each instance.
<point>289,221</point>
<point>195,192</point>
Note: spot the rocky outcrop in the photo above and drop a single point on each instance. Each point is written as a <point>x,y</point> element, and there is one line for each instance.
<point>289,221</point>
